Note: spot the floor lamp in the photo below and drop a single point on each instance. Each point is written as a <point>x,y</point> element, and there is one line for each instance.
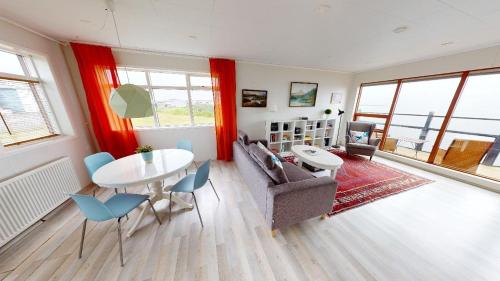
<point>338,131</point>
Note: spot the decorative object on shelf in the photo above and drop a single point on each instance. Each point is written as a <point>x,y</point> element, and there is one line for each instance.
<point>285,127</point>
<point>254,98</point>
<point>274,127</point>
<point>146,152</point>
<point>297,130</point>
<point>304,118</point>
<point>326,113</point>
<point>303,94</point>
<point>128,100</point>
<point>340,112</point>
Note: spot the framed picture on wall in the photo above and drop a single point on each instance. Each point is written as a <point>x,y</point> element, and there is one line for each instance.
<point>253,98</point>
<point>303,94</point>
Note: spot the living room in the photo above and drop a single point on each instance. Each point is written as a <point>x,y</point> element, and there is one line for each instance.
<point>319,140</point>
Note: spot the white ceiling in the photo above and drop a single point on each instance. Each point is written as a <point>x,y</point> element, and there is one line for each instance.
<point>350,35</point>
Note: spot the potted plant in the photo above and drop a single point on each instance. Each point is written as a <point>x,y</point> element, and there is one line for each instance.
<point>146,152</point>
<point>328,111</point>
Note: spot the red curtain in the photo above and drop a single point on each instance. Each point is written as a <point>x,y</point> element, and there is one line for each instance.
<point>99,76</point>
<point>223,72</point>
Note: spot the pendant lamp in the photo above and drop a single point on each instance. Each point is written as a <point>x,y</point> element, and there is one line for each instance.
<point>128,100</point>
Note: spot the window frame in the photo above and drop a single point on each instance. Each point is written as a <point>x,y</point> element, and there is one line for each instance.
<point>32,81</point>
<point>463,74</point>
<point>188,88</point>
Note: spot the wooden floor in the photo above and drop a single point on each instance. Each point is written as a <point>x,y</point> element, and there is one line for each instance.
<point>442,231</point>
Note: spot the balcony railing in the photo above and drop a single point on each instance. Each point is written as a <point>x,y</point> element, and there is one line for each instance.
<point>490,156</point>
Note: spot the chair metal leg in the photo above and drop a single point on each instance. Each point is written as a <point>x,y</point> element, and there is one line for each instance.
<point>116,192</point>
<point>170,207</point>
<point>186,170</point>
<point>197,209</point>
<point>125,189</point>
<point>196,165</point>
<point>120,241</point>
<point>210,181</point>
<point>83,237</point>
<point>154,211</point>
<point>96,187</point>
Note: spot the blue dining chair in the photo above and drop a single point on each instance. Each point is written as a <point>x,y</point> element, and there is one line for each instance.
<point>116,207</point>
<point>187,145</point>
<point>192,182</point>
<point>95,161</point>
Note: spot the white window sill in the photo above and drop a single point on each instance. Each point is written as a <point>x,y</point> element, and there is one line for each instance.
<point>174,128</point>
<point>34,145</point>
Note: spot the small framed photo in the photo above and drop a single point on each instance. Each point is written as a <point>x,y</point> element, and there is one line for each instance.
<point>303,94</point>
<point>253,98</point>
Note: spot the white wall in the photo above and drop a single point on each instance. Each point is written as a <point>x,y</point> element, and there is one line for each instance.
<point>276,80</point>
<point>60,91</point>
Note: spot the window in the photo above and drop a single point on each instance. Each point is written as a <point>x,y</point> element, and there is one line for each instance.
<point>179,99</point>
<point>449,120</point>
<point>376,98</point>
<point>419,114</point>
<point>25,113</point>
<point>471,142</point>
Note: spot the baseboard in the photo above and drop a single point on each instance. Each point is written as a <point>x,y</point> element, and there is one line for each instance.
<point>452,174</point>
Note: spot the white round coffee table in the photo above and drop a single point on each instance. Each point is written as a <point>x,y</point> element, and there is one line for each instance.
<point>133,171</point>
<point>318,157</point>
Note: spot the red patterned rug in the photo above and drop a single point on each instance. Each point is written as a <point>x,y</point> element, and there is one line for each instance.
<point>362,181</point>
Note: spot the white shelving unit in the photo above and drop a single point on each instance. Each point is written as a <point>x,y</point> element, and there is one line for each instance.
<point>282,134</point>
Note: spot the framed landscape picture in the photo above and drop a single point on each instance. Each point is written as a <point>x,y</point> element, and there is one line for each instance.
<point>303,94</point>
<point>253,98</point>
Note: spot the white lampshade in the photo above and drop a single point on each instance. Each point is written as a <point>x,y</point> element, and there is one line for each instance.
<point>131,101</point>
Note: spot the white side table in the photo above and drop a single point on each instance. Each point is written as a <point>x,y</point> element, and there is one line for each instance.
<point>320,159</point>
<point>133,171</point>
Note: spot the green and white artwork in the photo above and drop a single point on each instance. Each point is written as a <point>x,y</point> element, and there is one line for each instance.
<point>303,94</point>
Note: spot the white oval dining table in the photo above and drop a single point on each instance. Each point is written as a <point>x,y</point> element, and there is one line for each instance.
<point>134,171</point>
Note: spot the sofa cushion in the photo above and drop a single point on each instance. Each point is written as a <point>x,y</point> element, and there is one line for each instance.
<point>295,173</point>
<point>274,158</point>
<point>359,137</point>
<point>243,138</point>
<point>265,161</point>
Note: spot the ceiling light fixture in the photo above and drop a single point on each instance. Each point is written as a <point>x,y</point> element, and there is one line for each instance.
<point>447,43</point>
<point>128,100</point>
<point>323,8</point>
<point>400,29</point>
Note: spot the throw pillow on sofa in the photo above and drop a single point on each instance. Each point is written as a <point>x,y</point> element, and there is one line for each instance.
<point>274,158</point>
<point>359,137</point>
<point>265,161</point>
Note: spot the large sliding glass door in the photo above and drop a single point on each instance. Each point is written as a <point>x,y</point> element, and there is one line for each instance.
<point>418,116</point>
<point>471,142</point>
<point>449,120</point>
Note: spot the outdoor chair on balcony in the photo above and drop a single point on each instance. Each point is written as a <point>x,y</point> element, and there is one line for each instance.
<point>465,155</point>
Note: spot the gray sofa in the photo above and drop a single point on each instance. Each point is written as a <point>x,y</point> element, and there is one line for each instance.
<point>301,198</point>
<point>358,148</point>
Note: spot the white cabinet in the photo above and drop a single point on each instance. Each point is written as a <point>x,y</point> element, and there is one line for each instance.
<point>282,134</point>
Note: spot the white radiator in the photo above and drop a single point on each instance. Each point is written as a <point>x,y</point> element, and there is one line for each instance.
<point>28,197</point>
